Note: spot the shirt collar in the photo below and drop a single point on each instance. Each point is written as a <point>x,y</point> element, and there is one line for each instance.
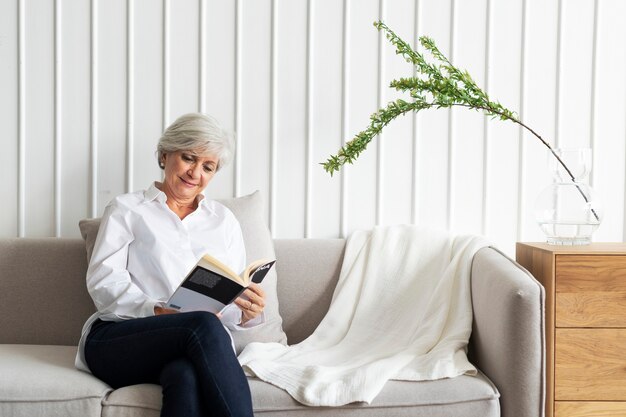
<point>153,193</point>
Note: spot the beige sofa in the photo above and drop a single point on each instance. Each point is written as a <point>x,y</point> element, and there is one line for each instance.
<point>44,304</point>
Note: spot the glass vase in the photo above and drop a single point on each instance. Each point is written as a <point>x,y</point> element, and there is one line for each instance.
<point>568,211</point>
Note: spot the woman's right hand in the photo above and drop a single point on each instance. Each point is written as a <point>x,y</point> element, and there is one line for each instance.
<point>158,310</point>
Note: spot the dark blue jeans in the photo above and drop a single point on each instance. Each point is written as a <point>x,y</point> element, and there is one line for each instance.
<point>189,354</point>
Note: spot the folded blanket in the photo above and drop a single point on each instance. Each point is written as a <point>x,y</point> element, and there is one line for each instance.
<point>401,310</point>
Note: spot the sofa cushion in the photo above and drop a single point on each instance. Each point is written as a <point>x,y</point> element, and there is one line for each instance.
<point>259,244</point>
<point>313,266</point>
<point>249,212</point>
<point>44,296</point>
<point>143,400</point>
<point>467,396</point>
<point>41,380</point>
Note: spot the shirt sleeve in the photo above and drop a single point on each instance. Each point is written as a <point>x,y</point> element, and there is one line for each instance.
<point>231,318</point>
<point>108,281</point>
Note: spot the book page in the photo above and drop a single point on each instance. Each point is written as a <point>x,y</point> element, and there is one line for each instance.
<point>213,264</point>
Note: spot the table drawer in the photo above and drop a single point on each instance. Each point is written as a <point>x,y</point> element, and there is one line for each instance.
<point>590,291</point>
<point>589,409</point>
<point>590,365</point>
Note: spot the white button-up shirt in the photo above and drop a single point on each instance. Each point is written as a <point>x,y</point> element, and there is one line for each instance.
<point>144,250</point>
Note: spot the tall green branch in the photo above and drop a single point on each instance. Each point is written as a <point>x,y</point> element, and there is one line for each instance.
<point>437,85</point>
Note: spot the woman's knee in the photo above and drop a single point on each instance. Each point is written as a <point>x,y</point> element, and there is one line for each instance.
<point>207,327</point>
<point>178,373</point>
<point>180,389</point>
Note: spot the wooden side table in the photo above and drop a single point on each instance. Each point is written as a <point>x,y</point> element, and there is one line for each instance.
<point>585,326</point>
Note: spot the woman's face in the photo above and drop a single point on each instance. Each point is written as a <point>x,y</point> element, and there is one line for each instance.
<point>187,173</point>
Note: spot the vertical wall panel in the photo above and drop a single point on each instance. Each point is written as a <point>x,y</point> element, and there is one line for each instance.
<point>39,118</point>
<point>575,95</point>
<point>273,154</point>
<point>202,37</point>
<point>433,168</point>
<point>397,142</point>
<point>93,111</point>
<point>254,134</point>
<point>466,155</point>
<point>326,115</point>
<point>609,135</point>
<point>74,112</point>
<point>362,98</point>
<point>432,190</point>
<point>291,134</point>
<point>238,25</point>
<point>220,80</point>
<point>415,153</point>
<point>9,115</point>
<point>538,111</point>
<point>58,97</point>
<point>503,137</point>
<point>183,42</point>
<point>148,94</point>
<point>345,121</point>
<point>21,120</point>
<point>310,85</point>
<point>166,63</point>
<point>380,101</point>
<point>111,111</point>
<point>130,94</point>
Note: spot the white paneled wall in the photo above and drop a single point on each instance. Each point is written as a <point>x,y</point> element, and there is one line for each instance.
<point>86,87</point>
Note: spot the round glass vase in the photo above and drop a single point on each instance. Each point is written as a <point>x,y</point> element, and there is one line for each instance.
<point>567,211</point>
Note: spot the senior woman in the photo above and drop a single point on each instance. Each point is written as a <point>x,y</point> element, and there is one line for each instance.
<point>147,242</point>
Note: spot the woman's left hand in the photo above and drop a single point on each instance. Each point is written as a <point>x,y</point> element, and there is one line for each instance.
<point>251,302</point>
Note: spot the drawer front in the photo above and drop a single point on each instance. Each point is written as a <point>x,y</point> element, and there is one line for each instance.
<point>589,409</point>
<point>590,365</point>
<point>590,291</point>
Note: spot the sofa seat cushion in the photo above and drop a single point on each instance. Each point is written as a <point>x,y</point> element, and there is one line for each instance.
<point>41,380</point>
<point>467,396</point>
<point>143,400</point>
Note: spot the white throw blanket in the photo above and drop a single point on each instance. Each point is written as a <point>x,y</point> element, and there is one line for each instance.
<point>401,310</point>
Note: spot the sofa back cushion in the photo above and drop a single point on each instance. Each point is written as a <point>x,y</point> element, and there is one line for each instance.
<point>308,271</point>
<point>43,292</point>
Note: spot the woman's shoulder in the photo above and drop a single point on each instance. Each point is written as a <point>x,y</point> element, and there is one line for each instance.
<point>218,208</point>
<point>127,201</point>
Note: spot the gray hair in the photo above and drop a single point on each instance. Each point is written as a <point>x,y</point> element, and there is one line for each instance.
<point>197,132</point>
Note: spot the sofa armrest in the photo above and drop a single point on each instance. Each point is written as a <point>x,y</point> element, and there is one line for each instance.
<point>507,342</point>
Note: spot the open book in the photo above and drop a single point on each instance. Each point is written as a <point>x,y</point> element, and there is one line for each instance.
<point>211,285</point>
